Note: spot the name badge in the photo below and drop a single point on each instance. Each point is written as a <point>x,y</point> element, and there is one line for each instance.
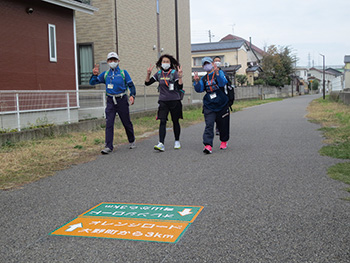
<point>213,95</point>
<point>110,86</point>
<point>171,86</point>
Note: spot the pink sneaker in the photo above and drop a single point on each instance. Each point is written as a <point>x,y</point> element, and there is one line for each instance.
<point>223,145</point>
<point>207,149</point>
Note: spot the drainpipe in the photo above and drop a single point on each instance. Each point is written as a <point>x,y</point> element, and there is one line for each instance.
<point>176,32</point>
<point>116,27</point>
<point>158,30</point>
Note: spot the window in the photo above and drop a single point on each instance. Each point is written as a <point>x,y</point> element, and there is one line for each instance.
<point>86,63</point>
<point>197,62</point>
<point>52,43</point>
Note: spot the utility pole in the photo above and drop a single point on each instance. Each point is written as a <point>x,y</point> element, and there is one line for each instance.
<point>324,80</point>
<point>210,36</point>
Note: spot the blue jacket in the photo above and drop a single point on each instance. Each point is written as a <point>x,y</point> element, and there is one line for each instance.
<point>214,99</point>
<point>114,77</point>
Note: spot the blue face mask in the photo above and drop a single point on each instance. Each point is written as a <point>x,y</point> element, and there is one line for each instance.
<point>208,67</point>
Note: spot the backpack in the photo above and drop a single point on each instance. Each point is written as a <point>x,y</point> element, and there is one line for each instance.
<point>121,73</point>
<point>229,91</point>
<point>172,80</point>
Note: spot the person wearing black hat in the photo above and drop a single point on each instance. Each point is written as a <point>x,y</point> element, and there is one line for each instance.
<point>117,82</point>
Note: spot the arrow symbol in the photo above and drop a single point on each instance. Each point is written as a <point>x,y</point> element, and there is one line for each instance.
<point>185,212</point>
<point>73,227</point>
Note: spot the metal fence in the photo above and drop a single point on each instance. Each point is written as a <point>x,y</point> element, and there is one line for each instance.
<point>27,109</point>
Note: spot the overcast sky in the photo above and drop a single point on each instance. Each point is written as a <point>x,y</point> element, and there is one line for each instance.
<point>307,26</point>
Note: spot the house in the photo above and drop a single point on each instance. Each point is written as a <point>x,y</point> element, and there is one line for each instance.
<point>237,56</point>
<point>38,53</point>
<point>255,54</point>
<point>38,44</point>
<point>329,75</point>
<point>301,74</point>
<point>347,72</point>
<point>139,31</point>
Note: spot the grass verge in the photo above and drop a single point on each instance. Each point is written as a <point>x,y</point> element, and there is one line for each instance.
<point>28,161</point>
<point>334,118</point>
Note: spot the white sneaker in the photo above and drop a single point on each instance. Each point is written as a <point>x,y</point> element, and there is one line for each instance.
<point>177,145</point>
<point>160,147</point>
<point>106,151</point>
<point>132,145</point>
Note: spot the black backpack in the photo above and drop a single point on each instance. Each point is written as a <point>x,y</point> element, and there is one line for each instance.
<point>229,90</point>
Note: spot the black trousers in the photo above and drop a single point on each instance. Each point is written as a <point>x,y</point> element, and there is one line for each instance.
<point>175,109</point>
<point>122,108</point>
<point>222,119</point>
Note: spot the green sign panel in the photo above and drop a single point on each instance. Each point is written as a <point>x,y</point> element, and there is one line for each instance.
<point>144,212</point>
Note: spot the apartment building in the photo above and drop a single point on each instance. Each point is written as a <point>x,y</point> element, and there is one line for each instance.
<point>139,31</point>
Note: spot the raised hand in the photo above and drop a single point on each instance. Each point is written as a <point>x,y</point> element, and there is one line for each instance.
<point>149,70</point>
<point>196,77</point>
<point>216,69</point>
<point>96,69</point>
<point>179,71</point>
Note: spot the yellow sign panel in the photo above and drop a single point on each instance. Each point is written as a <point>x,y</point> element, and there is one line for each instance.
<point>123,229</point>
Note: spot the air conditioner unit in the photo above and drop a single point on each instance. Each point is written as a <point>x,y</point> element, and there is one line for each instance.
<point>226,64</point>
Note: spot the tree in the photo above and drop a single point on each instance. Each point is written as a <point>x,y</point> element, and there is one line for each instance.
<point>315,84</point>
<point>277,66</point>
<point>241,79</point>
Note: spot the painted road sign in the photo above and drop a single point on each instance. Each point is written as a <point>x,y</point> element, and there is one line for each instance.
<point>124,229</point>
<point>143,222</point>
<point>145,211</point>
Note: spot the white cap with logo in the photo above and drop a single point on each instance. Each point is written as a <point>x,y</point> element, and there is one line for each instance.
<point>112,55</point>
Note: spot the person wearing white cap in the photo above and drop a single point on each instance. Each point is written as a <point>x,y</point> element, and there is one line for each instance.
<point>117,83</point>
<point>215,104</point>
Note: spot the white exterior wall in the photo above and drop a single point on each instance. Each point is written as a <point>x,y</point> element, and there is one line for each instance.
<point>337,83</point>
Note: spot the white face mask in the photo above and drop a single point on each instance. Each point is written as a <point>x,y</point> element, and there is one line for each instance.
<point>113,65</point>
<point>218,63</point>
<point>165,66</point>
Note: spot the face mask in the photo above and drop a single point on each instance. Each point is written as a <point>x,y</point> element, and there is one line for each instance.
<point>165,66</point>
<point>113,65</point>
<point>208,67</point>
<point>218,63</point>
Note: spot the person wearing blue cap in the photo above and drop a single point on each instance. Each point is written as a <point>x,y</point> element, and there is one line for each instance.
<point>215,104</point>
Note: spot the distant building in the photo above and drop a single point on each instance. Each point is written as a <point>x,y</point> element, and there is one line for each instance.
<point>347,72</point>
<point>238,56</point>
<point>330,74</point>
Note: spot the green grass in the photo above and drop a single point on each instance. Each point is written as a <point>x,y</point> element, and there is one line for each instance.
<point>335,120</point>
<point>341,172</point>
<point>28,161</point>
<point>339,151</point>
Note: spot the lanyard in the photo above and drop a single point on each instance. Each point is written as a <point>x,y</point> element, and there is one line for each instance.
<point>166,83</point>
<point>113,74</point>
<point>210,82</point>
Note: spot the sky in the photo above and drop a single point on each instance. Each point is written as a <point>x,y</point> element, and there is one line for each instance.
<point>308,27</point>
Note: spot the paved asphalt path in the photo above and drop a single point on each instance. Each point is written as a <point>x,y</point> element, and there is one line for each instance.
<point>267,198</point>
